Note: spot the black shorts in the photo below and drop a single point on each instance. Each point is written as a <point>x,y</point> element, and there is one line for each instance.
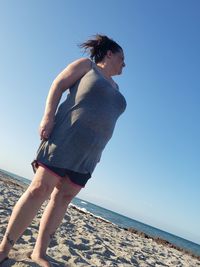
<point>76,178</point>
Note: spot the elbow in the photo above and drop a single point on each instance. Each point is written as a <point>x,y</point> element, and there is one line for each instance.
<point>58,86</point>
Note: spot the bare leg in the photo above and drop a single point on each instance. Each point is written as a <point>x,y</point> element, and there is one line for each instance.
<point>62,195</point>
<point>26,208</point>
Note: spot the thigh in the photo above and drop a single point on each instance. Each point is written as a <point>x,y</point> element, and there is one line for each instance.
<point>65,189</point>
<point>44,179</point>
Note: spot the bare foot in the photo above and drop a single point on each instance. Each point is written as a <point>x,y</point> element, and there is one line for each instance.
<point>3,256</point>
<point>40,260</point>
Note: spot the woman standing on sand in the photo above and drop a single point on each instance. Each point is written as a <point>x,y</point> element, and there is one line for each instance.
<point>73,139</point>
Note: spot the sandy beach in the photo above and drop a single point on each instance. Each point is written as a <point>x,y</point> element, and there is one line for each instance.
<point>84,240</point>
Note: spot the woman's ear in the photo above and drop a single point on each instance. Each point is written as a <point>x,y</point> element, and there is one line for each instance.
<point>109,54</point>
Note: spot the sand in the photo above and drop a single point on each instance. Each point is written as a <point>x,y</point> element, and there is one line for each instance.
<point>84,240</point>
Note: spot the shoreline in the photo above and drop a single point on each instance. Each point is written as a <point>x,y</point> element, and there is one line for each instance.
<point>140,233</point>
<point>84,239</point>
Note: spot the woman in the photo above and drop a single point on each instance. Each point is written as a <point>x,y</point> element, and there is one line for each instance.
<point>73,139</point>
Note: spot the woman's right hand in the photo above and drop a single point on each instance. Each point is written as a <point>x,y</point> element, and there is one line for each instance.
<point>46,127</point>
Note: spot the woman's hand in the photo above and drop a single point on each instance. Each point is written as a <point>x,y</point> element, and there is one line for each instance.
<point>46,127</point>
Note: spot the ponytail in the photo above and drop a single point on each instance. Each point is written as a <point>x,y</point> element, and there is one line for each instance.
<point>98,46</point>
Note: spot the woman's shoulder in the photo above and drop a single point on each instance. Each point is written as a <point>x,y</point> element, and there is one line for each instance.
<point>82,63</point>
<point>77,68</point>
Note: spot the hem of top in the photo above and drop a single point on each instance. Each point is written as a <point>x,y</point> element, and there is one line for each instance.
<point>55,174</point>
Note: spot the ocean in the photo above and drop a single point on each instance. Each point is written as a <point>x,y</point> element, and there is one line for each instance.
<point>125,222</point>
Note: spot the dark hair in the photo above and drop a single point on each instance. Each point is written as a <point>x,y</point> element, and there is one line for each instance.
<point>98,47</point>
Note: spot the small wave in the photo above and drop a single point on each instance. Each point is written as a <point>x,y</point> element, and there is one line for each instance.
<point>92,214</point>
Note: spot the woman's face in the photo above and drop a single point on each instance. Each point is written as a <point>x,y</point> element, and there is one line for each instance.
<point>117,61</point>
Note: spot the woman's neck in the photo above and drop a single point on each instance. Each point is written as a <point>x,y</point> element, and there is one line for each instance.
<point>104,68</point>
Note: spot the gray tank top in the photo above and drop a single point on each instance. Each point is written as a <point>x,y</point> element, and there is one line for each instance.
<point>84,124</point>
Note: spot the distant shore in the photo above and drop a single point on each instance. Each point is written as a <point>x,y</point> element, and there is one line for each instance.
<point>85,240</point>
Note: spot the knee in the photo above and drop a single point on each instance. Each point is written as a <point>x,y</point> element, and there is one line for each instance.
<point>62,198</point>
<point>39,190</point>
<point>67,197</point>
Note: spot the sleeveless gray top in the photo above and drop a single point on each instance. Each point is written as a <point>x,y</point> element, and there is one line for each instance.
<point>84,123</point>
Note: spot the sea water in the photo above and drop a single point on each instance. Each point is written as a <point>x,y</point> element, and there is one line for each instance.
<point>124,221</point>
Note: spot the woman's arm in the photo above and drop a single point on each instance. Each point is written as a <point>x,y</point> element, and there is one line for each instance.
<point>62,82</point>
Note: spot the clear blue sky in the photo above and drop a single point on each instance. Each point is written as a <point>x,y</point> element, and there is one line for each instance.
<point>150,170</point>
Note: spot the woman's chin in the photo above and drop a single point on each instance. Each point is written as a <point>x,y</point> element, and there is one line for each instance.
<point>120,72</point>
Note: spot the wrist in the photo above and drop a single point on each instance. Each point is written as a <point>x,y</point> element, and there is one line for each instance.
<point>49,117</point>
